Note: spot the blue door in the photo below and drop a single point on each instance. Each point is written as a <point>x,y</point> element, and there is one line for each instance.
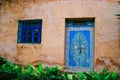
<point>79,45</point>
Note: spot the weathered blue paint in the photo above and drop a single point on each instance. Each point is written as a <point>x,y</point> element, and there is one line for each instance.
<point>77,40</point>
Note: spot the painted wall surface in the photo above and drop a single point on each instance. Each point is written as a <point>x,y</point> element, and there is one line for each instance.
<point>53,14</point>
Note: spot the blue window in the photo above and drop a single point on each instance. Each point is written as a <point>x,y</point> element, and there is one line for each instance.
<point>29,31</point>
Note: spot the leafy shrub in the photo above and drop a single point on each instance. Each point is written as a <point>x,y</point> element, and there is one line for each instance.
<point>11,71</point>
<point>2,61</point>
<point>105,75</point>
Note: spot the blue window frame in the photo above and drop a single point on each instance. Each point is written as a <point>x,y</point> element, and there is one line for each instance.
<point>29,31</point>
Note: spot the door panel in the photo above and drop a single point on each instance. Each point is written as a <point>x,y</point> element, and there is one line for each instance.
<point>79,48</point>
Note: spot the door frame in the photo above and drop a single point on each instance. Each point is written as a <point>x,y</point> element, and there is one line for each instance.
<point>92,44</point>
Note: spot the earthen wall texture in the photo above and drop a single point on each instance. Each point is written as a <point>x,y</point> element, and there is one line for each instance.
<point>51,51</point>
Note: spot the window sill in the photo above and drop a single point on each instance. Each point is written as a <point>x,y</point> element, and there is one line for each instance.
<point>28,46</point>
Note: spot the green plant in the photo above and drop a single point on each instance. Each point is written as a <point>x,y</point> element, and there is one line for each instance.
<point>13,71</point>
<point>8,67</point>
<point>81,76</point>
<point>2,61</point>
<point>53,73</point>
<point>105,75</point>
<point>38,71</point>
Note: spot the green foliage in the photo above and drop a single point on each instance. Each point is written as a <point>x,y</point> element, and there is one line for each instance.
<point>113,75</point>
<point>2,61</point>
<point>81,76</point>
<point>8,67</point>
<point>30,72</point>
<point>53,73</point>
<point>70,76</point>
<point>105,75</point>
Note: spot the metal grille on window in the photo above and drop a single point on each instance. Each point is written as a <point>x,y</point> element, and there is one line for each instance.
<point>29,31</point>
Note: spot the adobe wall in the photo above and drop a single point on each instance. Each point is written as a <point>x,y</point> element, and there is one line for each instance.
<point>53,14</point>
